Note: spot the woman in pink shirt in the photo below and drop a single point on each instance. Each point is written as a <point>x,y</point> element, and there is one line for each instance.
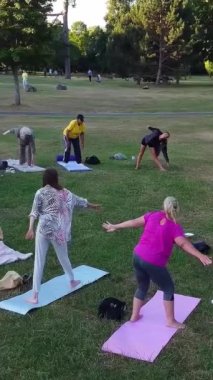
<point>151,255</point>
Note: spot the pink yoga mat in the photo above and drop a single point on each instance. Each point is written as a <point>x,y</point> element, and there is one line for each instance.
<point>144,339</point>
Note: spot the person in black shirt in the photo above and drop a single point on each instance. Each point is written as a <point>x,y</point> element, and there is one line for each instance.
<point>157,142</point>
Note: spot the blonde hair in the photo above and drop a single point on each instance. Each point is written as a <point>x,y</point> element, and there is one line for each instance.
<point>171,207</point>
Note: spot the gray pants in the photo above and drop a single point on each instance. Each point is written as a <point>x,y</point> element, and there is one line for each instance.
<point>27,149</point>
<point>159,275</point>
<point>41,248</point>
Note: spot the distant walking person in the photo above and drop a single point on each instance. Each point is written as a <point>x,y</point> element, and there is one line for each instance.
<point>89,73</point>
<point>74,134</point>
<point>26,138</point>
<point>156,141</point>
<point>54,206</point>
<point>98,79</point>
<point>25,80</point>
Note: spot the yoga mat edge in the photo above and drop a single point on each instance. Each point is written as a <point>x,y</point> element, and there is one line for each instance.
<point>53,290</point>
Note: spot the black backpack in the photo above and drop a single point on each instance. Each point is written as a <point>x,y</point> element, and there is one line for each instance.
<point>202,247</point>
<point>3,165</point>
<point>112,308</point>
<point>93,160</point>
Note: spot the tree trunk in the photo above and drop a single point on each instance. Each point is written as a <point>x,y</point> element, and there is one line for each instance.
<point>159,63</point>
<point>17,88</point>
<point>67,67</point>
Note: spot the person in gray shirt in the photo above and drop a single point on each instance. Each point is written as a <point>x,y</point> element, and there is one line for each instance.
<point>26,139</point>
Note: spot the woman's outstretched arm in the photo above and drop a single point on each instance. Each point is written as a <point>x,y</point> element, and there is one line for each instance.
<point>94,206</point>
<point>134,223</point>
<point>186,246</point>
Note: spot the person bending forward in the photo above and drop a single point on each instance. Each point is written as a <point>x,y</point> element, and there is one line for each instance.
<point>26,138</point>
<point>156,141</point>
<point>74,134</point>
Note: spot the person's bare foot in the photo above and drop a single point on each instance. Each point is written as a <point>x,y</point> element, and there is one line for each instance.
<point>135,318</point>
<point>74,283</point>
<point>176,325</point>
<point>163,170</point>
<point>33,300</point>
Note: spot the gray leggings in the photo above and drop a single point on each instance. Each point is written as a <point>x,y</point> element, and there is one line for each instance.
<point>159,275</point>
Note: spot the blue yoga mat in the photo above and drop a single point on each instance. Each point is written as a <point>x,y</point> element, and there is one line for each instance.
<point>72,166</point>
<point>53,290</point>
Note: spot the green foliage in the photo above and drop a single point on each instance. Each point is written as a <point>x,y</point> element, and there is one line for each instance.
<point>23,31</point>
<point>203,33</point>
<point>141,37</point>
<point>78,36</point>
<point>96,48</point>
<point>88,46</point>
<point>164,27</point>
<point>209,67</point>
<point>117,17</point>
<point>24,34</point>
<point>124,38</point>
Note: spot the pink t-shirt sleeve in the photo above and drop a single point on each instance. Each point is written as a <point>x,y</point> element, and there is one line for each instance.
<point>178,231</point>
<point>146,216</point>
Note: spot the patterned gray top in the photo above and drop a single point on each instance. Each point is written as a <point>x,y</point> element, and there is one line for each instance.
<point>55,210</point>
<point>22,131</point>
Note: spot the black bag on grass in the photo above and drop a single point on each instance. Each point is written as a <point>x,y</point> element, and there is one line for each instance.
<point>112,308</point>
<point>202,246</point>
<point>93,160</point>
<point>3,165</point>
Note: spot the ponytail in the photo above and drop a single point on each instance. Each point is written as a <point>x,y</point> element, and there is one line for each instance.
<point>171,207</point>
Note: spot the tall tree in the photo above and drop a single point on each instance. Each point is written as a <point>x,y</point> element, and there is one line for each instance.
<point>96,48</point>
<point>118,15</point>
<point>203,34</point>
<point>79,36</point>
<point>123,46</point>
<point>67,63</point>
<point>24,34</point>
<point>164,27</point>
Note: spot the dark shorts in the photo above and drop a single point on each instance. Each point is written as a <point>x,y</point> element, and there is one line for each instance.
<point>144,143</point>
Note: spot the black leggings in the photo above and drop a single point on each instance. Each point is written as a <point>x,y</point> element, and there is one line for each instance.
<point>159,275</point>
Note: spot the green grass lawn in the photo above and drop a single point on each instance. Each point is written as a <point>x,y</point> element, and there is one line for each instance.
<point>63,340</point>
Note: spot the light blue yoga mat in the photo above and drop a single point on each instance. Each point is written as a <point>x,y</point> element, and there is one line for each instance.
<point>72,166</point>
<point>24,168</point>
<point>53,290</point>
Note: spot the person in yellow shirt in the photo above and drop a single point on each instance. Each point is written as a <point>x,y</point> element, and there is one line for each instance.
<point>74,134</point>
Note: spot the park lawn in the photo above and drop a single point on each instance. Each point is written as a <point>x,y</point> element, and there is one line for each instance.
<point>63,340</point>
<point>108,97</point>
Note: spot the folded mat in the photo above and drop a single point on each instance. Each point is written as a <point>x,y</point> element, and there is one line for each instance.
<point>9,255</point>
<point>24,168</point>
<point>72,166</point>
<point>53,290</point>
<point>145,338</point>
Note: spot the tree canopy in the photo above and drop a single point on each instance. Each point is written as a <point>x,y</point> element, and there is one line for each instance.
<point>144,38</point>
<point>24,33</point>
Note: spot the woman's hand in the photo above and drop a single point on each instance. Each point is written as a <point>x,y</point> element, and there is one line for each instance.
<point>94,206</point>
<point>30,235</point>
<point>97,207</point>
<point>109,227</point>
<point>205,260</point>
